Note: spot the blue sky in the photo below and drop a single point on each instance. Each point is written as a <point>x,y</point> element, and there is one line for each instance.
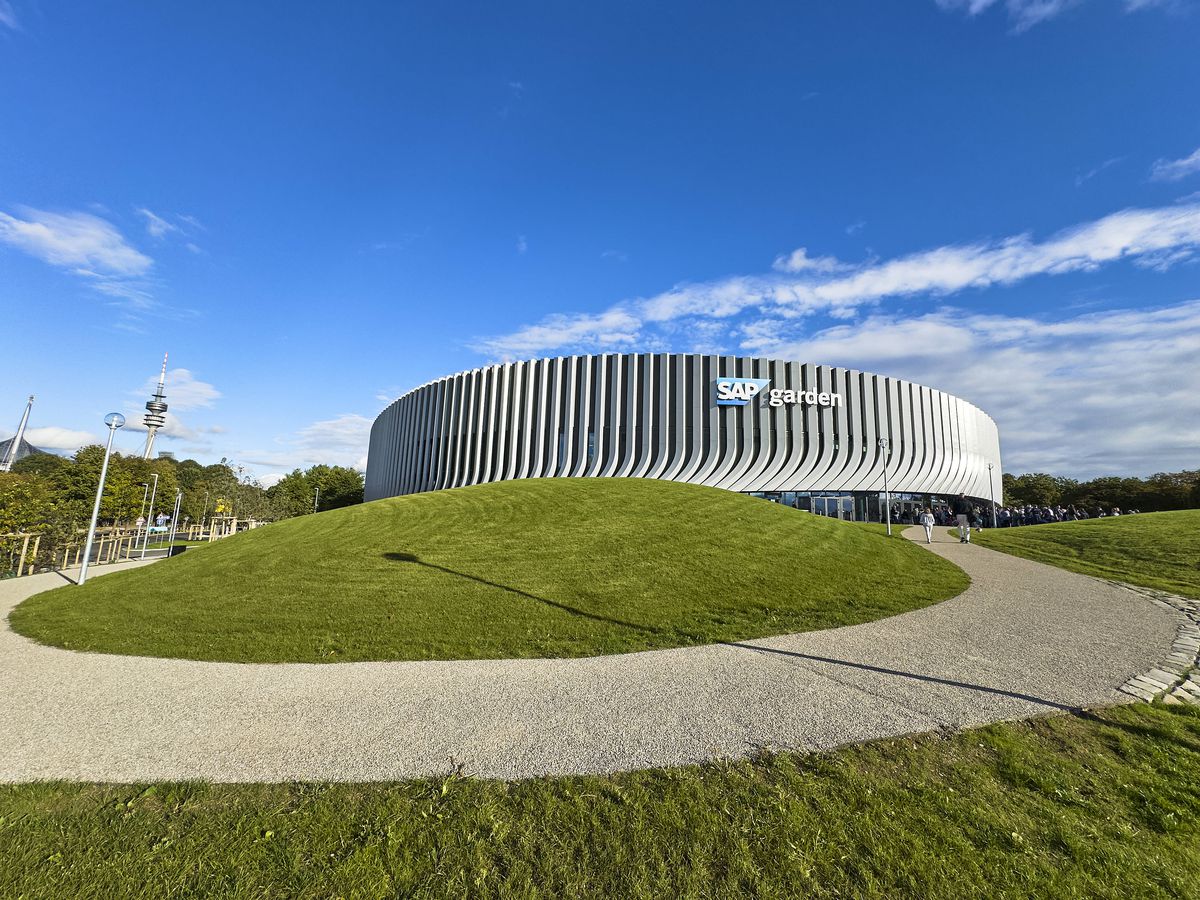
<point>316,208</point>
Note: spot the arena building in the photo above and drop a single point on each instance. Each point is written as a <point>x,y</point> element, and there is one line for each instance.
<point>806,435</point>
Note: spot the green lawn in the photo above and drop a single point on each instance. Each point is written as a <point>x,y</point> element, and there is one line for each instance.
<point>1158,550</point>
<point>1099,805</point>
<point>555,567</point>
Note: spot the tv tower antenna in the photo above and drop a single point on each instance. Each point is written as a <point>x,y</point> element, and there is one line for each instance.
<point>156,412</point>
<point>15,446</point>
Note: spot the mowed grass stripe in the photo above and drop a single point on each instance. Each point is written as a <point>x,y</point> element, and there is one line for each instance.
<point>540,568</point>
<point>1095,805</point>
<point>1158,550</point>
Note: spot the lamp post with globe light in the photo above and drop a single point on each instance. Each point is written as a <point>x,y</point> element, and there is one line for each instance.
<point>113,421</point>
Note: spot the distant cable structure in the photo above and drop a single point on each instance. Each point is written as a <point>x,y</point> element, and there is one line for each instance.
<point>14,446</point>
<point>156,410</point>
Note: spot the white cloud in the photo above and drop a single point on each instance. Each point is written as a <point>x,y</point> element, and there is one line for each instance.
<point>87,246</point>
<point>1115,392</point>
<point>1091,173</point>
<point>1176,169</point>
<point>341,441</point>
<point>8,16</point>
<point>618,255</point>
<point>156,225</point>
<point>613,328</point>
<point>1156,237</point>
<point>522,244</point>
<point>855,227</point>
<point>1025,14</point>
<point>52,437</point>
<point>800,261</point>
<point>184,391</point>
<point>78,241</point>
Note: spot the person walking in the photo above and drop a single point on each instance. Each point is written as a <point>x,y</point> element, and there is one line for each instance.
<point>962,512</point>
<point>928,521</point>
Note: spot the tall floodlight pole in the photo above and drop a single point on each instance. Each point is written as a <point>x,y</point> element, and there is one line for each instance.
<point>113,421</point>
<point>150,515</point>
<point>317,498</point>
<point>992,493</point>
<point>15,446</point>
<point>156,412</point>
<point>887,500</point>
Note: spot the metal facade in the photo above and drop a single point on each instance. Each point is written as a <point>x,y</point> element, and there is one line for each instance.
<point>654,416</point>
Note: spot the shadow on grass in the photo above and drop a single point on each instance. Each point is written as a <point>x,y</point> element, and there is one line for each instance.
<point>413,558</point>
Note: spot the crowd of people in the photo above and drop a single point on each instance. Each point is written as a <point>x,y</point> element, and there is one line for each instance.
<point>1006,516</point>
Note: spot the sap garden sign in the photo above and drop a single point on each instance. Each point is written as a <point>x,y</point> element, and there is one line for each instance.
<point>740,391</point>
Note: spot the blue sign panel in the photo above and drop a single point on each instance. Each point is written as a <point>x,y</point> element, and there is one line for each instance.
<point>739,391</point>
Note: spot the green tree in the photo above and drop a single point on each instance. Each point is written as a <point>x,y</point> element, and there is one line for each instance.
<point>296,494</point>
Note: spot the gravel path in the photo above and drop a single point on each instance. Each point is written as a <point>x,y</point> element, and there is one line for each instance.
<point>1024,639</point>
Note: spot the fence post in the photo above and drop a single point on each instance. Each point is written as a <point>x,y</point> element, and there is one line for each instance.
<point>37,543</point>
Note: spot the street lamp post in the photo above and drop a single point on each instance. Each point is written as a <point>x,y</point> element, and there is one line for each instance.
<point>317,498</point>
<point>145,486</point>
<point>992,493</point>
<point>113,421</point>
<point>174,521</point>
<point>887,500</point>
<point>150,516</point>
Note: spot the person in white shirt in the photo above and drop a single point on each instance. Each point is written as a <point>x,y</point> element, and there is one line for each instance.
<point>928,521</point>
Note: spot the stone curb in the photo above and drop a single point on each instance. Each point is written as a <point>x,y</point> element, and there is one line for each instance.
<point>1177,678</point>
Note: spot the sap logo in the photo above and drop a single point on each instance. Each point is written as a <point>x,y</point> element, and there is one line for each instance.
<point>739,391</point>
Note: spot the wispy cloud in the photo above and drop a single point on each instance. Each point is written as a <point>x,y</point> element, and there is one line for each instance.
<point>1084,177</point>
<point>522,244</point>
<point>855,227</point>
<point>800,261</point>
<point>156,226</point>
<point>85,245</point>
<point>618,255</point>
<point>8,16</point>
<point>1055,387</point>
<point>75,240</point>
<point>341,441</point>
<point>802,285</point>
<point>1176,169</point>
<point>608,330</point>
<point>1024,14</point>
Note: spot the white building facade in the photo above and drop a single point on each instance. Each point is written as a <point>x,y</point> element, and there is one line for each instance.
<point>803,434</point>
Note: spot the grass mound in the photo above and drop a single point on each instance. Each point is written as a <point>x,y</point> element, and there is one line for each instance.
<point>554,567</point>
<point>1092,805</point>
<point>1158,550</point>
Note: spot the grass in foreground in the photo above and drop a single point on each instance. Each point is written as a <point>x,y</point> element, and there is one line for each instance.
<point>1103,805</point>
<point>1158,550</point>
<point>556,567</point>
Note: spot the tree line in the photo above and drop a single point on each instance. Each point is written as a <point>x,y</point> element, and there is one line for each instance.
<point>53,495</point>
<point>1163,491</point>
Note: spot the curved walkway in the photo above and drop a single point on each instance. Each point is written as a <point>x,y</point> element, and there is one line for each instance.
<point>1024,639</point>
